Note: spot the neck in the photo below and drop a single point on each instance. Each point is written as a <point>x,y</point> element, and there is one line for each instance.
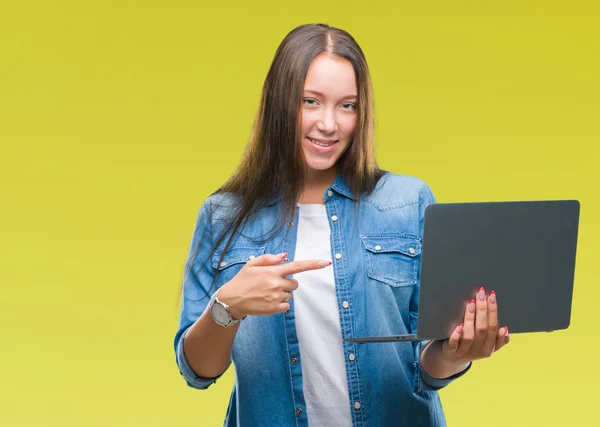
<point>315,184</point>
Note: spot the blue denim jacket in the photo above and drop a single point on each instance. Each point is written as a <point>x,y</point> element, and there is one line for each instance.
<point>377,293</point>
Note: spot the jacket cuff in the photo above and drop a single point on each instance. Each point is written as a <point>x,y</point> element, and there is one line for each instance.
<point>430,383</point>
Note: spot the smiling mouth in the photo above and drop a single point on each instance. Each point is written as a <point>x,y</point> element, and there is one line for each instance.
<point>322,142</point>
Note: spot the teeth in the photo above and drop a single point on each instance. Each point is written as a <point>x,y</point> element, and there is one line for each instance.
<point>320,144</point>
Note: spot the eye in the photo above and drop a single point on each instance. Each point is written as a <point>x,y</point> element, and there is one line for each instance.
<point>349,106</point>
<point>310,101</point>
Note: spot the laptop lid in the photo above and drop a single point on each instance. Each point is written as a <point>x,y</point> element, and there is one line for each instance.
<point>525,251</point>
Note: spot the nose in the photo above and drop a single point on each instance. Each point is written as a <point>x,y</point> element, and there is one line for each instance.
<point>327,122</point>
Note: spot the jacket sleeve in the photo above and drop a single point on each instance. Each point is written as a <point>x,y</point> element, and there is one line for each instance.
<point>423,381</point>
<point>197,283</point>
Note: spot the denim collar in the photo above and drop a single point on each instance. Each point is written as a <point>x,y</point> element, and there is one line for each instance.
<point>339,186</point>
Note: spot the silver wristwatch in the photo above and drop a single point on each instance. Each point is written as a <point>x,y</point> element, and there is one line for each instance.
<point>220,312</point>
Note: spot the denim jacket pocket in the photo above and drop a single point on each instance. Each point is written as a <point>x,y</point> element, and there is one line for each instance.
<point>236,255</point>
<point>234,259</point>
<point>392,258</point>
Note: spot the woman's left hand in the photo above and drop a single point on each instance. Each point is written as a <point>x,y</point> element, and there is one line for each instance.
<point>479,337</point>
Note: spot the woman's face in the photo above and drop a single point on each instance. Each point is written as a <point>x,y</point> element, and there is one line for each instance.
<point>328,114</point>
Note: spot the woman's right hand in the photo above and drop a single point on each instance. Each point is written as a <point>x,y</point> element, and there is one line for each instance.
<point>261,287</point>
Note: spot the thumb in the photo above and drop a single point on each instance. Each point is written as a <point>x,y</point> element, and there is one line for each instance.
<point>266,260</point>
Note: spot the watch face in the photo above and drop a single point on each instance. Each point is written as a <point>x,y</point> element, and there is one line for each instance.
<point>219,313</point>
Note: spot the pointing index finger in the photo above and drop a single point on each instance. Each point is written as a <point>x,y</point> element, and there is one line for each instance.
<point>300,266</point>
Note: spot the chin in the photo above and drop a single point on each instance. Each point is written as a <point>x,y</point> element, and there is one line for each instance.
<point>319,166</point>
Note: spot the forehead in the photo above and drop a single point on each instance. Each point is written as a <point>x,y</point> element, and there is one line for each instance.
<point>331,75</point>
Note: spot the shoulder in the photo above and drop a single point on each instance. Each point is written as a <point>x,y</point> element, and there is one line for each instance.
<point>219,206</point>
<point>396,190</point>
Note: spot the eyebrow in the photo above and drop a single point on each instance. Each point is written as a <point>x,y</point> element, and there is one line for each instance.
<point>314,92</point>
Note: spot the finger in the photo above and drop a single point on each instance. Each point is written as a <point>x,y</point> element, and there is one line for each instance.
<point>481,322</point>
<point>286,296</point>
<point>502,338</point>
<point>468,334</point>
<point>283,307</point>
<point>289,285</point>
<point>451,345</point>
<point>266,260</point>
<point>300,266</point>
<point>492,330</point>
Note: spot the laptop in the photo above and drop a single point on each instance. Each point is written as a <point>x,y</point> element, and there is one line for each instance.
<point>523,250</point>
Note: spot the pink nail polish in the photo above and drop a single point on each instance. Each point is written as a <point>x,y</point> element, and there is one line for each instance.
<point>506,333</point>
<point>493,292</point>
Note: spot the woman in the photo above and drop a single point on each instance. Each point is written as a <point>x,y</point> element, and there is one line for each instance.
<point>309,243</point>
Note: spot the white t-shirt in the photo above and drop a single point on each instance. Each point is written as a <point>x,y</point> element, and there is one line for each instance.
<point>318,326</point>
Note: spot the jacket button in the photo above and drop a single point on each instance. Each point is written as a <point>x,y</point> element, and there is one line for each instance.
<point>411,250</point>
<point>299,411</point>
<point>334,218</point>
<point>294,360</point>
<point>345,304</point>
<point>338,256</point>
<point>377,248</point>
<point>356,405</point>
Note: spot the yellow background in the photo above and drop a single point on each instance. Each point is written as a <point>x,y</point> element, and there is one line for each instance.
<point>117,119</point>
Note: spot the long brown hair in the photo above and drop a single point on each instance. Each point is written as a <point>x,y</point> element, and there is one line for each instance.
<point>273,164</point>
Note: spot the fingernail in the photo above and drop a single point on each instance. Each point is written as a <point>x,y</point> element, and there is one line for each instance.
<point>281,255</point>
<point>462,325</point>
<point>471,307</point>
<point>492,298</point>
<point>506,332</point>
<point>324,263</point>
<point>481,294</point>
